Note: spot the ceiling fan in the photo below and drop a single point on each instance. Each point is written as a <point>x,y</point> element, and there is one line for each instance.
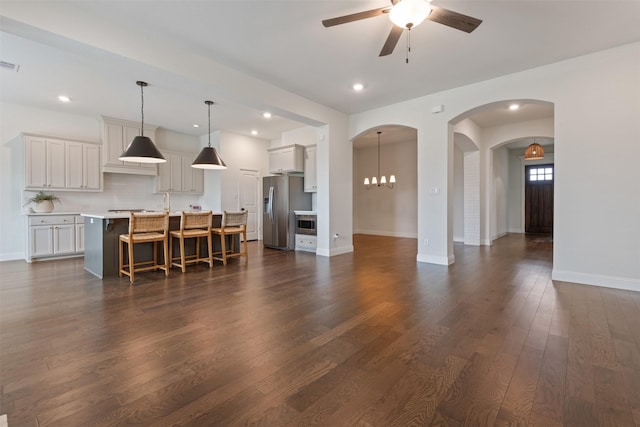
<point>408,14</point>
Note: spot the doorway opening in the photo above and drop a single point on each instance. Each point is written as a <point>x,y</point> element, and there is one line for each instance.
<point>538,199</point>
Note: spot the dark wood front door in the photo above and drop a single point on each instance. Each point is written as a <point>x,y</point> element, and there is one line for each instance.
<point>538,199</point>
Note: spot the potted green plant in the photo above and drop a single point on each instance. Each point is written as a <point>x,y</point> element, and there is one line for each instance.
<point>43,202</point>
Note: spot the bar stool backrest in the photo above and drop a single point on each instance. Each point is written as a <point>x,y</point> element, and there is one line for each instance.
<point>148,223</point>
<point>191,220</point>
<point>234,219</point>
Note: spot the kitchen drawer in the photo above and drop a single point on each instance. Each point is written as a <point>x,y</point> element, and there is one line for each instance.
<point>51,219</point>
<point>79,219</point>
<point>306,242</point>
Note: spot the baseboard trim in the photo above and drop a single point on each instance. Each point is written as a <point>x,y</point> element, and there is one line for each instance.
<point>11,256</point>
<point>432,259</point>
<point>387,233</point>
<point>334,251</point>
<point>499,236</point>
<point>613,282</point>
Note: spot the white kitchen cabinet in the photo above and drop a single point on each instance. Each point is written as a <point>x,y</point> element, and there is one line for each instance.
<point>83,166</point>
<point>310,178</point>
<point>177,175</point>
<point>45,162</point>
<point>192,178</point>
<point>55,236</point>
<point>306,242</point>
<point>80,236</point>
<point>286,159</point>
<point>117,134</point>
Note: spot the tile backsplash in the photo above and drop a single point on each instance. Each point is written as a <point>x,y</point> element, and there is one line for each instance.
<point>121,191</point>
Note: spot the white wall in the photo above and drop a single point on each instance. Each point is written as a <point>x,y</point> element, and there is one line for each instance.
<point>120,191</point>
<point>458,194</point>
<point>499,214</point>
<point>383,211</point>
<point>578,88</point>
<point>240,152</point>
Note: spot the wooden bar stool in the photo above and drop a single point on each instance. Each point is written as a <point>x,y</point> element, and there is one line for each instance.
<point>192,225</point>
<point>145,228</point>
<point>232,223</point>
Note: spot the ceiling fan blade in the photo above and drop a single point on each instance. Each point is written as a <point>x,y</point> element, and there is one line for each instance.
<point>392,41</point>
<point>355,16</point>
<point>454,19</point>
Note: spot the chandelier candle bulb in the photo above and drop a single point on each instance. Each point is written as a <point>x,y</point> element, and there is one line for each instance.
<point>383,178</point>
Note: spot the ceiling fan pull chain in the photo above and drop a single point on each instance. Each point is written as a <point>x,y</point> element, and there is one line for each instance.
<point>408,44</point>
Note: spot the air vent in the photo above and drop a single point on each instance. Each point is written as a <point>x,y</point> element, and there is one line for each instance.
<point>9,66</point>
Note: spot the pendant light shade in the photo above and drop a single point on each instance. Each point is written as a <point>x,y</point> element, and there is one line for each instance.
<point>534,152</point>
<point>142,149</point>
<point>208,157</point>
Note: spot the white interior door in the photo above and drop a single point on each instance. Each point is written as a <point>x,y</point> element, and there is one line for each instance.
<point>249,185</point>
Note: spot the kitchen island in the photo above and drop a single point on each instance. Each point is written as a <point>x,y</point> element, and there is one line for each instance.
<point>103,229</point>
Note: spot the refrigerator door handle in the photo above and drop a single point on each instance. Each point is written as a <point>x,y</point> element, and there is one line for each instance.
<point>270,206</point>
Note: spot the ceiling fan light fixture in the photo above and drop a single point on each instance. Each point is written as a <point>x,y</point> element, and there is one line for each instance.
<point>409,13</point>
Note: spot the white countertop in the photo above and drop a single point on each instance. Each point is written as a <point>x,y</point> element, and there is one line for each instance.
<point>51,213</point>
<point>117,215</point>
<point>305,212</point>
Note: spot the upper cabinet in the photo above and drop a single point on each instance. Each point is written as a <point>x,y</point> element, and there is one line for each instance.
<point>116,136</point>
<point>177,175</point>
<point>56,164</point>
<point>310,182</point>
<point>83,166</point>
<point>286,159</point>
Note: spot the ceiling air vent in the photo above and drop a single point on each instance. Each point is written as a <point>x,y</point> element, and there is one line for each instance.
<point>9,66</point>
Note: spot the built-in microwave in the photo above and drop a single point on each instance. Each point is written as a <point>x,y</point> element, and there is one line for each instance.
<point>306,224</point>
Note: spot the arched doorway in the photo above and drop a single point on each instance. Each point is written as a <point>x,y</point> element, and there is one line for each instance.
<point>391,209</point>
<point>500,133</point>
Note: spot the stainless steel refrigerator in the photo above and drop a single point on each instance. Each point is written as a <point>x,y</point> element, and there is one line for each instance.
<point>282,194</point>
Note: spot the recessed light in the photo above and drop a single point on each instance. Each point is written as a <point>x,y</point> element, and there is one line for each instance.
<point>513,107</point>
<point>266,115</point>
<point>195,125</point>
<point>254,132</point>
<point>357,87</point>
<point>64,98</point>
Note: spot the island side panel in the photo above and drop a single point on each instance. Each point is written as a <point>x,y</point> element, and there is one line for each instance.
<point>93,246</point>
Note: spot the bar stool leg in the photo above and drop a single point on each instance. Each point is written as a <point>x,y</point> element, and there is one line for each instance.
<point>223,243</point>
<point>182,257</point>
<point>130,250</point>
<point>167,262</point>
<point>210,250</point>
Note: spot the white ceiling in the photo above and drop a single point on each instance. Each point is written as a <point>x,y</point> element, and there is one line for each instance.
<point>284,44</point>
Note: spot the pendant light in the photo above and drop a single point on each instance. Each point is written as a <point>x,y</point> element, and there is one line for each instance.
<point>142,149</point>
<point>383,180</point>
<point>534,151</point>
<point>208,157</point>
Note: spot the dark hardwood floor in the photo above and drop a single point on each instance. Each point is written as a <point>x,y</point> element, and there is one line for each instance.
<point>364,339</point>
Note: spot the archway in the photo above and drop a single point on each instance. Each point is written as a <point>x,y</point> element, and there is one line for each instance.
<point>391,209</point>
<point>500,134</point>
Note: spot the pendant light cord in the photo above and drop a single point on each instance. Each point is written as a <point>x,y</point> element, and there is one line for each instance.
<point>209,104</point>
<point>379,154</point>
<point>142,109</point>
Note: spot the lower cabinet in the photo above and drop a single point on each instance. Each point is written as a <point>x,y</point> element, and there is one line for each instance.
<point>55,236</point>
<point>306,242</point>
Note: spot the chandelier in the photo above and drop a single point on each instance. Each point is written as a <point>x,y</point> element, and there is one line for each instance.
<point>383,180</point>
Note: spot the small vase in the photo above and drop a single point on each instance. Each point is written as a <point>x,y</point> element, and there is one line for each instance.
<point>45,206</point>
